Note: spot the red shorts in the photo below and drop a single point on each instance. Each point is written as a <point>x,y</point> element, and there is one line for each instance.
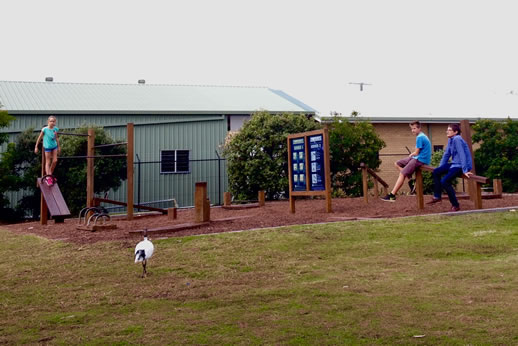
<point>409,165</point>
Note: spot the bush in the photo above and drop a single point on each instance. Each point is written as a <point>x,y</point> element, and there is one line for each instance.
<point>350,144</point>
<point>497,157</point>
<point>257,154</point>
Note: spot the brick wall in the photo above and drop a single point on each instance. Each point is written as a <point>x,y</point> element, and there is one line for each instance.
<point>396,137</point>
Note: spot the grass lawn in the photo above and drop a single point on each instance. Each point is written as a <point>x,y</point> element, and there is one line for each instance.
<point>426,280</point>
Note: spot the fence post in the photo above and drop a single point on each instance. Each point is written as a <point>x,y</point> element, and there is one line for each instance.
<point>419,188</point>
<point>497,186</point>
<point>227,198</point>
<point>365,183</point>
<point>131,150</point>
<point>260,197</point>
<point>201,202</point>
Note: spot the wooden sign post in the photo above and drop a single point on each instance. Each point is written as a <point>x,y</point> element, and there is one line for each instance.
<point>309,166</point>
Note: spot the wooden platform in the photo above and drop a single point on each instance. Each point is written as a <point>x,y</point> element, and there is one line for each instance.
<point>96,228</point>
<point>183,226</point>
<point>54,199</point>
<point>240,206</point>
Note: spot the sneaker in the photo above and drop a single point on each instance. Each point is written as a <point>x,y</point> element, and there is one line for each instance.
<point>434,200</point>
<point>49,181</point>
<point>454,208</point>
<point>389,198</point>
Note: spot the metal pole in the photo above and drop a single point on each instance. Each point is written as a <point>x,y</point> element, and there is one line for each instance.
<point>138,182</point>
<point>219,177</point>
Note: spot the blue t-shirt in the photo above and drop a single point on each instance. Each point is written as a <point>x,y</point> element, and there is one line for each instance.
<point>49,137</point>
<point>425,153</point>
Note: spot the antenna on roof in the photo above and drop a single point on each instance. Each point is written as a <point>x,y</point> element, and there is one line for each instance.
<point>361,85</point>
<point>49,79</point>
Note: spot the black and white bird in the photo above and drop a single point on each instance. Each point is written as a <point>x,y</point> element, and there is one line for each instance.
<point>143,252</point>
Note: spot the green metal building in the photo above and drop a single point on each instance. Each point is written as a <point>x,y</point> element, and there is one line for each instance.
<point>178,128</point>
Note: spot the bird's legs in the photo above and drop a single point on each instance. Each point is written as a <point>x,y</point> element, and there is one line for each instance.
<point>144,271</point>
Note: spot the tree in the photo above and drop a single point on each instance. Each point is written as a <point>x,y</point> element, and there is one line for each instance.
<point>351,143</point>
<point>5,181</point>
<point>25,166</point>
<point>257,154</point>
<point>497,157</point>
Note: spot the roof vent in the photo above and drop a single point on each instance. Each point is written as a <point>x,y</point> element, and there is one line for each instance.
<point>141,81</point>
<point>49,79</point>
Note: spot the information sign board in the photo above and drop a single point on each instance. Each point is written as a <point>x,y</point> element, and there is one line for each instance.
<point>316,161</point>
<point>308,166</point>
<point>298,164</point>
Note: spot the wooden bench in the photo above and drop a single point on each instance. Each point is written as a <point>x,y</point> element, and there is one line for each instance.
<point>474,187</point>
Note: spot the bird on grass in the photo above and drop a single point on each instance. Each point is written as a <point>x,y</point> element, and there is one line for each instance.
<point>144,251</point>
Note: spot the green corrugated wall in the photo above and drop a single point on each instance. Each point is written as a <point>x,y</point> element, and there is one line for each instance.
<point>202,135</point>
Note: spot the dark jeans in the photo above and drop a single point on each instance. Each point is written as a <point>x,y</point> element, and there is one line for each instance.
<point>445,182</point>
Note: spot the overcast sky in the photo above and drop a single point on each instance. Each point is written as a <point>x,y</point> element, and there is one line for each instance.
<point>422,58</point>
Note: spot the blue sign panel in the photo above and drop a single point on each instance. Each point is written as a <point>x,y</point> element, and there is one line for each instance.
<point>316,163</point>
<point>298,161</point>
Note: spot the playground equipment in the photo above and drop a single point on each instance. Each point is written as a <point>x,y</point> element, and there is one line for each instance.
<point>94,219</point>
<point>91,200</point>
<point>53,200</point>
<point>366,171</point>
<point>227,201</point>
<point>474,182</point>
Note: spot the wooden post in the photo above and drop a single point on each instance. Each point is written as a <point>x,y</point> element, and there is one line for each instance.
<point>171,214</point>
<point>200,201</point>
<point>131,154</point>
<point>376,187</point>
<point>419,188</point>
<point>478,195</point>
<point>260,197</point>
<point>206,210</point>
<point>292,204</point>
<point>365,184</point>
<point>90,152</point>
<point>44,210</point>
<point>227,198</point>
<point>497,187</point>
<point>466,135</point>
<point>327,171</point>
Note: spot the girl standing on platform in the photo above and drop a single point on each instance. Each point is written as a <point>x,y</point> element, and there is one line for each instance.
<point>51,147</point>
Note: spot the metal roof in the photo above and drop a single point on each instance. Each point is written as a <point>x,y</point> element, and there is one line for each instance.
<point>85,98</point>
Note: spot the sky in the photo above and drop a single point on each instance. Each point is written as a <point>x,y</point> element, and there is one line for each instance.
<point>421,58</point>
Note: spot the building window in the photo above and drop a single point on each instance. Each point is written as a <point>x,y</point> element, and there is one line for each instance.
<point>438,147</point>
<point>174,161</point>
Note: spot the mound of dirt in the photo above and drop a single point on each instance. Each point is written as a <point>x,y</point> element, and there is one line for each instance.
<point>273,214</point>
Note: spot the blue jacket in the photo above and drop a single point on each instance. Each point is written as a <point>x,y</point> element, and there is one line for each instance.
<point>459,152</point>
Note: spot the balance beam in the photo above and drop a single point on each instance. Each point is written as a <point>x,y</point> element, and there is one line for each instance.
<point>111,201</point>
<point>476,197</point>
<point>54,199</point>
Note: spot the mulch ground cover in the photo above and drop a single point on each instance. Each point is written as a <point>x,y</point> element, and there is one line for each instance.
<point>273,214</point>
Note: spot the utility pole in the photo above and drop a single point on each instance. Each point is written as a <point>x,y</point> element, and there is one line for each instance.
<point>361,85</point>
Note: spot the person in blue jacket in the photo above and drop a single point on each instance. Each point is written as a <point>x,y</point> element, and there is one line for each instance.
<point>461,163</point>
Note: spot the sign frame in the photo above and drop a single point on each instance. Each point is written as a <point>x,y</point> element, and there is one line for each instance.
<point>309,173</point>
